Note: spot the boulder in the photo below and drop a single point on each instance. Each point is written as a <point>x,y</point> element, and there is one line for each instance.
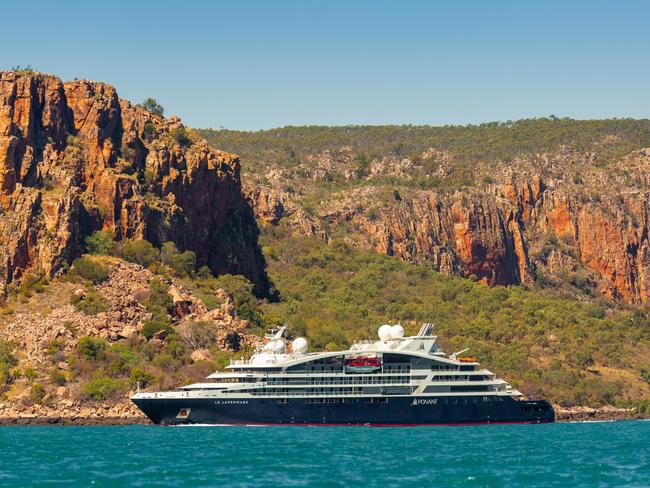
<point>127,332</point>
<point>202,355</point>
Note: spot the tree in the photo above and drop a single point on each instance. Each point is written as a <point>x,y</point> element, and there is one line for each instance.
<point>92,348</point>
<point>100,242</point>
<point>140,252</point>
<point>153,106</point>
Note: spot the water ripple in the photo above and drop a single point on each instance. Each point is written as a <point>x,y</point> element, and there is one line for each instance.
<point>576,454</point>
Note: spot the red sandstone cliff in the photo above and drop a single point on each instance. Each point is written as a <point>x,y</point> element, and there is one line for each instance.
<point>75,158</point>
<point>597,225</point>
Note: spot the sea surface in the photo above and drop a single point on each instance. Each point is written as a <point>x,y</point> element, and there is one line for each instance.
<point>574,455</point>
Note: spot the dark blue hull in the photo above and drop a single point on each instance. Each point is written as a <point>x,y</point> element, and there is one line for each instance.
<point>346,411</point>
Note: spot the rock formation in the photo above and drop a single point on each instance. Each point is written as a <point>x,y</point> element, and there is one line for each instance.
<point>74,158</point>
<point>596,222</point>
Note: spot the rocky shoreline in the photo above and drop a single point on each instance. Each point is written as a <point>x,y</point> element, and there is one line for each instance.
<point>585,414</point>
<point>4,422</point>
<point>121,414</point>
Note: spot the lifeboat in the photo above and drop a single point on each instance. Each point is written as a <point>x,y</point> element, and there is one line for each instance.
<point>362,364</point>
<point>467,359</point>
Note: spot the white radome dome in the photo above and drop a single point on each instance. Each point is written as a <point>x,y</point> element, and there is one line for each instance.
<point>385,332</point>
<point>299,345</point>
<point>397,331</point>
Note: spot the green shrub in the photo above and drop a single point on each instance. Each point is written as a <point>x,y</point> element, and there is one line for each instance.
<point>180,136</point>
<point>139,252</point>
<point>155,325</point>
<point>209,300</point>
<point>149,131</point>
<point>91,303</point>
<point>159,303</point>
<point>100,242</point>
<point>37,393</point>
<point>89,269</point>
<point>57,377</point>
<point>92,348</point>
<point>205,273</point>
<point>120,359</point>
<point>7,362</point>
<point>30,374</point>
<point>102,387</point>
<point>153,106</point>
<point>140,377</point>
<point>645,374</point>
<point>250,312</point>
<point>54,347</point>
<point>236,286</point>
<point>241,291</point>
<point>25,71</point>
<point>182,264</point>
<point>30,284</point>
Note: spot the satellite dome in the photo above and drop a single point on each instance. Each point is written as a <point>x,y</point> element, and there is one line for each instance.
<point>299,345</point>
<point>397,331</point>
<point>385,332</point>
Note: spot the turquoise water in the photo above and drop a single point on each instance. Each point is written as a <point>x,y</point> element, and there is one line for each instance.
<point>578,454</point>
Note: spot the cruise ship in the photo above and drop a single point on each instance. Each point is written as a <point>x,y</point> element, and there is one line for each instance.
<point>395,380</point>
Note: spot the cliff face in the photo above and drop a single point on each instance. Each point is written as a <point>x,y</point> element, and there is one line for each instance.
<point>75,158</point>
<point>536,221</point>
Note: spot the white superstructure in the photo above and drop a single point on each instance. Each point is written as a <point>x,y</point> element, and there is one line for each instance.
<point>392,366</point>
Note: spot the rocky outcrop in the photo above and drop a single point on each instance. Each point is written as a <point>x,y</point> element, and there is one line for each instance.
<point>271,205</point>
<point>519,226</point>
<point>75,158</point>
<point>126,291</point>
<point>72,412</point>
<point>586,414</point>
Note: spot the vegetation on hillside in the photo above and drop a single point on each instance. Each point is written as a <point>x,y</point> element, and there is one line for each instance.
<point>486,143</point>
<point>568,351</point>
<point>152,105</point>
<point>564,350</point>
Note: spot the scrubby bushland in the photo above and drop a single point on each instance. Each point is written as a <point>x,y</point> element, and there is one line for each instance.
<point>100,242</point>
<point>90,303</point>
<point>486,143</point>
<point>89,269</point>
<point>546,345</point>
<point>159,305</point>
<point>180,264</point>
<point>139,252</point>
<point>7,362</point>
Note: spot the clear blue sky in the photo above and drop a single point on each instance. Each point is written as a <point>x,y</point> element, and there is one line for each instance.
<point>260,64</point>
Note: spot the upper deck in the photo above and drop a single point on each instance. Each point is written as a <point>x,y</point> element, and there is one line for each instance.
<point>420,346</point>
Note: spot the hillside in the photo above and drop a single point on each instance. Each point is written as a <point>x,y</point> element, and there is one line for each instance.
<point>559,204</point>
<point>568,351</point>
<point>133,252</point>
<point>78,346</point>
